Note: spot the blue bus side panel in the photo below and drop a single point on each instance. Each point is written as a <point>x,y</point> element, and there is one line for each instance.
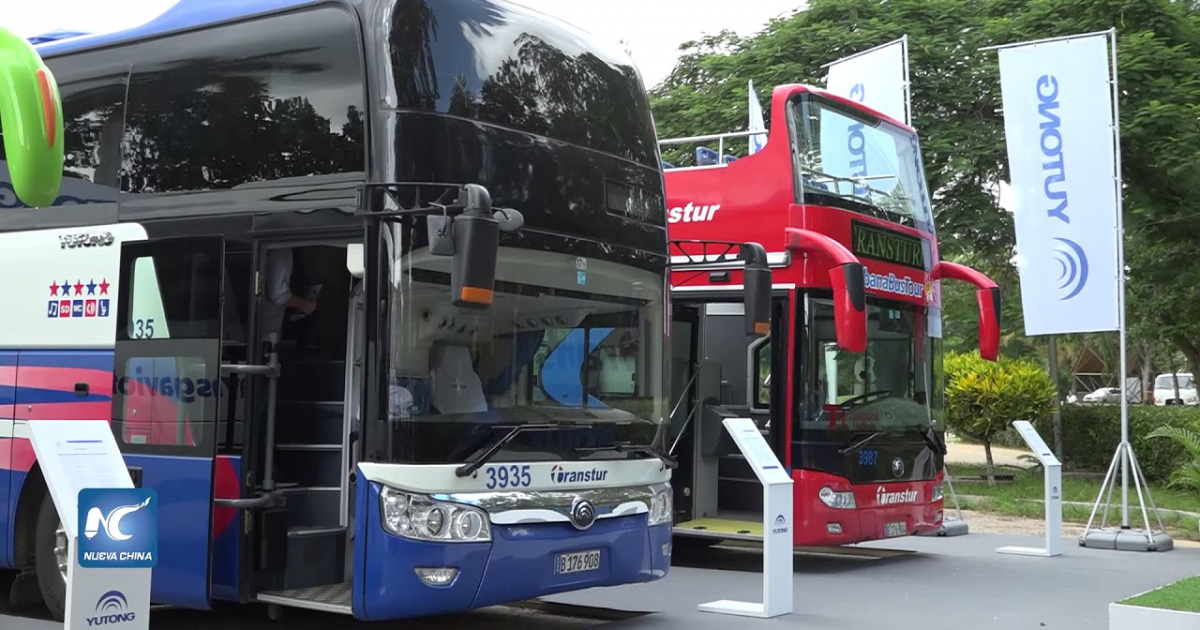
<point>40,385</point>
<point>184,486</point>
<point>227,527</point>
<point>9,487</point>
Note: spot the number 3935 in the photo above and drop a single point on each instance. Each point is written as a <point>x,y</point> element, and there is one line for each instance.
<point>508,477</point>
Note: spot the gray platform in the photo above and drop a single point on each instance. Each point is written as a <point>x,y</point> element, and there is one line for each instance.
<point>928,583</point>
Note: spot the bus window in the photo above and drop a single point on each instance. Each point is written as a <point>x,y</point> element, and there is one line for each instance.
<point>168,339</point>
<point>146,317</point>
<point>760,370</point>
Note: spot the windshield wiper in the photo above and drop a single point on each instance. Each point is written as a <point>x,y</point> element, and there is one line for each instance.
<point>626,447</point>
<point>935,443</point>
<point>488,451</point>
<point>859,444</point>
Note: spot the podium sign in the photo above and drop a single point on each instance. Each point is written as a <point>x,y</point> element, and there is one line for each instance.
<point>777,526</point>
<point>1053,490</point>
<point>112,526</point>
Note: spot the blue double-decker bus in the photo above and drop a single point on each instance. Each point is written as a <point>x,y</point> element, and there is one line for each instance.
<point>373,293</point>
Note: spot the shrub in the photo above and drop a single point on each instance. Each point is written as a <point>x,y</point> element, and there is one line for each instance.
<point>1091,434</point>
<point>984,398</point>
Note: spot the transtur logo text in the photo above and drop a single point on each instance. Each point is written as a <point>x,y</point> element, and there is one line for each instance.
<point>692,213</point>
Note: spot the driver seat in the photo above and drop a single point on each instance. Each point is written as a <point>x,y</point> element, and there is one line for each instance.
<point>456,387</point>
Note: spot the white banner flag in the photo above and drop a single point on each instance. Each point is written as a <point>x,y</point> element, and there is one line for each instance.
<point>1058,123</point>
<point>876,78</point>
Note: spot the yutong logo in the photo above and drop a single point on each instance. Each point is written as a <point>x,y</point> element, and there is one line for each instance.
<point>692,213</point>
<point>883,497</point>
<point>558,475</point>
<point>112,608</point>
<point>780,525</point>
<point>856,142</point>
<point>1071,257</point>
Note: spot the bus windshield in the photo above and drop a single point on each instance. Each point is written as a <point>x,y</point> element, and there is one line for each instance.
<point>572,341</point>
<point>849,160</point>
<point>885,389</point>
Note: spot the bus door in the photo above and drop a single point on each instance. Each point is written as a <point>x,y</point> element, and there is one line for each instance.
<point>685,376</point>
<point>166,395</point>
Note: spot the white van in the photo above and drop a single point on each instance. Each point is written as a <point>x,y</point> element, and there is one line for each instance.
<point>1164,389</point>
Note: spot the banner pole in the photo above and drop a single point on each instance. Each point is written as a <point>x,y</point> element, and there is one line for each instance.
<point>1123,538</point>
<point>907,82</point>
<point>1116,99</point>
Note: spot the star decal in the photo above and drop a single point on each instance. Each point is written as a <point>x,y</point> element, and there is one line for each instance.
<point>78,287</point>
<point>53,288</point>
<point>104,286</point>
<point>91,287</point>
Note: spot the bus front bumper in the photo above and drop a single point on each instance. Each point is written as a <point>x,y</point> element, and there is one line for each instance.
<point>393,574</point>
<point>881,510</point>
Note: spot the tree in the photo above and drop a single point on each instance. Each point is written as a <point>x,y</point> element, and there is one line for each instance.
<point>956,107</point>
<point>984,398</point>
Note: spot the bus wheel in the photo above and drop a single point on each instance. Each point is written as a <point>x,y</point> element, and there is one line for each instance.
<point>51,555</point>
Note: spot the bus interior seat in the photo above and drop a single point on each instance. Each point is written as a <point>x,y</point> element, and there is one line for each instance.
<point>452,370</point>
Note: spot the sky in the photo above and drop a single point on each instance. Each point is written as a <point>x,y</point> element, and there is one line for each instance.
<point>652,37</point>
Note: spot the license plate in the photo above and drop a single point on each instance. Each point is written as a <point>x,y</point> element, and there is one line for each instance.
<point>891,530</point>
<point>577,562</point>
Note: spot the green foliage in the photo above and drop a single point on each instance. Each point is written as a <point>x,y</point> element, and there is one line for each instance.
<point>984,398</point>
<point>1187,475</point>
<point>1182,595</point>
<point>1091,434</point>
<point>957,109</point>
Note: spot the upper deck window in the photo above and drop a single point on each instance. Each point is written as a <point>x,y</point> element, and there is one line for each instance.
<point>505,65</point>
<point>847,159</point>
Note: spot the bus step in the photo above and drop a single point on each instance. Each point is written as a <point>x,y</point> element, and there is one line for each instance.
<point>331,598</point>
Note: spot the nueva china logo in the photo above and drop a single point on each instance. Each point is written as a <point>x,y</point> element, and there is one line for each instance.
<point>558,475</point>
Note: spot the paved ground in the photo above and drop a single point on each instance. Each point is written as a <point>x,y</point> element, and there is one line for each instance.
<point>927,583</point>
<point>963,453</point>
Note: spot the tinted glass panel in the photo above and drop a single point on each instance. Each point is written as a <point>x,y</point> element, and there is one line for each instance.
<point>510,66</point>
<point>93,98</point>
<point>268,99</point>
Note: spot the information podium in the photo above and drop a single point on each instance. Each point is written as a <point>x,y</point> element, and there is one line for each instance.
<point>75,455</point>
<point>777,526</point>
<point>1053,474</point>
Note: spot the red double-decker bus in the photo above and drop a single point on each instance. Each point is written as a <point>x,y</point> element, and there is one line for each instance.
<point>847,387</point>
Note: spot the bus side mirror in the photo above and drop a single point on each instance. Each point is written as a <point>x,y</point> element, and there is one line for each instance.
<point>989,322</point>
<point>472,239</point>
<point>756,281</point>
<point>850,306</point>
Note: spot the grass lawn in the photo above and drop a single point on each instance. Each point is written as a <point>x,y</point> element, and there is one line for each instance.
<point>1023,496</point>
<point>1183,595</point>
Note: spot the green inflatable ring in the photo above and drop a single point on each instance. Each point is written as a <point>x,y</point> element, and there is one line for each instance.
<point>32,120</point>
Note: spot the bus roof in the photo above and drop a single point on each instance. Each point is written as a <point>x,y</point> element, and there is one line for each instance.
<point>182,16</point>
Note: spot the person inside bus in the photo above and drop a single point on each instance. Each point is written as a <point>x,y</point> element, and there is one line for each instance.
<point>279,292</point>
<point>278,298</point>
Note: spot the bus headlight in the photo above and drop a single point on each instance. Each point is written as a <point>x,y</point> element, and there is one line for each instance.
<point>419,517</point>
<point>837,500</point>
<point>660,505</point>
<point>938,492</point>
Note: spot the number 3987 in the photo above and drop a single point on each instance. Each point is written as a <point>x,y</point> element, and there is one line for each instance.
<point>508,477</point>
